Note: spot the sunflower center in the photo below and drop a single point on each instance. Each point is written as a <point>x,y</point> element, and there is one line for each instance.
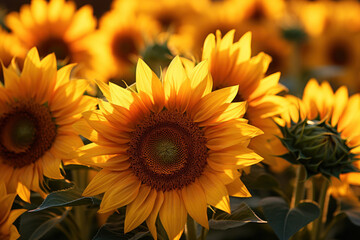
<point>27,131</point>
<point>339,54</point>
<point>168,150</point>
<point>123,46</point>
<point>54,45</point>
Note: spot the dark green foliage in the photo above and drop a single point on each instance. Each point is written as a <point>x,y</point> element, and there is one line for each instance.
<point>319,147</point>
<point>285,221</point>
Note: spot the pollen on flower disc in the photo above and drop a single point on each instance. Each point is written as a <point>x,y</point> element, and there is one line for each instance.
<point>27,131</point>
<point>168,150</point>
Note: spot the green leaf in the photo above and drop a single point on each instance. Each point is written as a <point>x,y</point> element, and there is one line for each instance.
<point>353,215</point>
<point>286,222</point>
<point>66,198</point>
<point>36,225</point>
<point>113,229</point>
<point>52,185</point>
<point>240,216</point>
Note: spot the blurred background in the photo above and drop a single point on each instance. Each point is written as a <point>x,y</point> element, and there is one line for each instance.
<point>306,39</point>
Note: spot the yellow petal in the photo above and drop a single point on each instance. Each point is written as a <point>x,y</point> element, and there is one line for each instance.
<point>85,130</point>
<point>265,85</point>
<point>121,96</point>
<point>97,121</point>
<point>6,201</point>
<point>63,74</point>
<point>341,100</point>
<point>151,220</point>
<point>195,202</point>
<point>210,103</point>
<point>243,158</point>
<point>209,45</point>
<point>226,112</point>
<point>105,89</point>
<point>139,210</point>
<point>11,79</point>
<point>31,67</point>
<point>149,83</point>
<point>237,189</point>
<point>244,45</point>
<point>174,77</point>
<point>173,214</point>
<point>23,191</point>
<point>7,226</point>
<point>91,150</point>
<point>51,166</point>
<point>102,181</point>
<point>123,192</point>
<point>215,191</point>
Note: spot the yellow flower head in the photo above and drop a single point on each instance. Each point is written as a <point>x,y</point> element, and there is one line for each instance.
<point>37,108</point>
<point>231,64</point>
<point>7,217</point>
<point>173,147</point>
<point>56,26</point>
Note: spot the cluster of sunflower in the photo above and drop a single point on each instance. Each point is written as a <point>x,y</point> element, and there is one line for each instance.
<point>158,116</point>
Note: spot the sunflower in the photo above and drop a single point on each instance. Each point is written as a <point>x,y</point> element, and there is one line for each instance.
<point>231,64</point>
<point>7,217</point>
<point>319,103</point>
<point>121,38</point>
<point>57,27</point>
<point>37,110</point>
<point>173,147</point>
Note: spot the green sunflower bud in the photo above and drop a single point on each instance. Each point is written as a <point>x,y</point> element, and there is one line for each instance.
<point>319,147</point>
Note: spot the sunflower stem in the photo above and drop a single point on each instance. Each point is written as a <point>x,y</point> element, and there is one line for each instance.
<point>204,233</point>
<point>80,178</point>
<point>298,192</point>
<point>190,229</point>
<point>332,224</point>
<point>323,204</point>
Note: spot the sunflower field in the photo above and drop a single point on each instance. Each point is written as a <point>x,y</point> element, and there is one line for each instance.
<point>179,119</point>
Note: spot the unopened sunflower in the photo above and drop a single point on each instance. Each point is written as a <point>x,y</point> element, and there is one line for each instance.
<point>37,110</point>
<point>232,64</point>
<point>7,217</point>
<point>173,147</point>
<point>56,26</point>
<point>322,132</point>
